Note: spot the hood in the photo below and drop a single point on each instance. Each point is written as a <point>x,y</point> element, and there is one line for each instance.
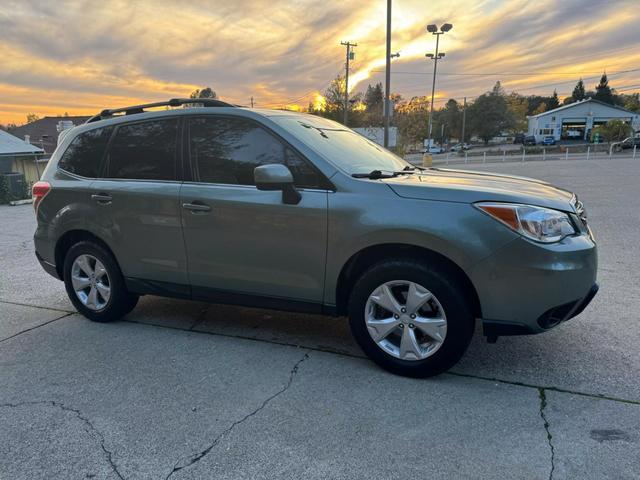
<point>469,187</point>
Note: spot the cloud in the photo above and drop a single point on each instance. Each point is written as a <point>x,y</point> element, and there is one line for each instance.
<point>106,53</point>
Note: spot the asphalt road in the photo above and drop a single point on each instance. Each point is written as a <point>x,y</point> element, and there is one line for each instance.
<point>190,390</point>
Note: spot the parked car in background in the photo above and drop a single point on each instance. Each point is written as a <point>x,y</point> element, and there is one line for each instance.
<point>573,134</point>
<point>529,140</point>
<point>434,150</point>
<point>549,140</point>
<point>459,147</point>
<point>629,142</point>
<point>288,211</point>
<point>519,138</point>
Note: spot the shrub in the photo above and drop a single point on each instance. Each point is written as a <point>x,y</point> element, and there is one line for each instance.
<point>5,192</point>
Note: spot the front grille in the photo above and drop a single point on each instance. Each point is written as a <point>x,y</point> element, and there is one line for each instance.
<point>580,210</point>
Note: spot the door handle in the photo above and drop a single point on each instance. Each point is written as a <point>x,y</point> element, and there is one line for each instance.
<point>102,198</point>
<point>196,207</point>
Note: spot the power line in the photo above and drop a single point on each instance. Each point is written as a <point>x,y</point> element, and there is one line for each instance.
<point>291,100</point>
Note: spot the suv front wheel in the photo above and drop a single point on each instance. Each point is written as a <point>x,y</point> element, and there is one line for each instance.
<point>411,318</point>
<point>94,283</point>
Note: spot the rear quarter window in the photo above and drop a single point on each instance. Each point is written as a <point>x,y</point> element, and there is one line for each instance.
<point>84,154</point>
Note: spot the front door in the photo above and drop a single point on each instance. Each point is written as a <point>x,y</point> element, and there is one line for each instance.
<point>241,240</point>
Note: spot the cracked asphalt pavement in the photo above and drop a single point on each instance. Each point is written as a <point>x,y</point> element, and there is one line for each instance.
<point>189,390</point>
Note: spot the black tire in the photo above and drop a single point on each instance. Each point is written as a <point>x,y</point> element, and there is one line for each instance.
<point>120,302</point>
<point>452,297</point>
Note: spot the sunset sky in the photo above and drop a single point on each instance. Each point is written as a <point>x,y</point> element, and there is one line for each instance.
<point>80,57</point>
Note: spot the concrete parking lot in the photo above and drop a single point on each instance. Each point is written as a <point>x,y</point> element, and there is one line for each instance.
<point>190,390</point>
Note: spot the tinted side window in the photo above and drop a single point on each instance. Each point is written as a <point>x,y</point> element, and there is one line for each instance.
<point>226,150</point>
<point>85,152</point>
<point>144,151</point>
<point>303,174</point>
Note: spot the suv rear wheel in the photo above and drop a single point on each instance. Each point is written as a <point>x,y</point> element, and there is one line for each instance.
<point>94,283</point>
<point>411,318</point>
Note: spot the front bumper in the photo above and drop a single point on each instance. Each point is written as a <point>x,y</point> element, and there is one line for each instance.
<point>527,287</point>
<point>547,320</point>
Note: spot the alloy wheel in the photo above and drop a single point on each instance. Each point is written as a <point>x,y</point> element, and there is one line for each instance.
<point>91,282</point>
<point>405,320</point>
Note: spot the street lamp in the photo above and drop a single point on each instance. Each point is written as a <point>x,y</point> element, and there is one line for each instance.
<point>433,29</point>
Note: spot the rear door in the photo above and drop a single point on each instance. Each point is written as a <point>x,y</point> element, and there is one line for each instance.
<point>243,240</point>
<point>136,204</point>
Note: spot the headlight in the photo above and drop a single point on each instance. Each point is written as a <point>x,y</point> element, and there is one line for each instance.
<point>536,223</point>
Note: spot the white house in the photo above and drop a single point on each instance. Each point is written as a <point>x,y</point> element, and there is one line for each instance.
<point>576,120</point>
<point>19,155</point>
<point>376,134</point>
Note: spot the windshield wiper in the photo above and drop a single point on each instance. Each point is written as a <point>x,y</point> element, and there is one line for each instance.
<point>412,169</point>
<point>376,174</point>
<point>408,170</point>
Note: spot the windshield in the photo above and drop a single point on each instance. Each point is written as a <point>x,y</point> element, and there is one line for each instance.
<point>347,150</point>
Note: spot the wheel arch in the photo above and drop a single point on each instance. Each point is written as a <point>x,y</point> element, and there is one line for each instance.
<point>69,239</point>
<point>366,257</point>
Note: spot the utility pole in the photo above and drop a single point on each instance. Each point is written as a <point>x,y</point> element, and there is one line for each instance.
<point>387,87</point>
<point>251,102</point>
<point>464,118</point>
<point>349,57</point>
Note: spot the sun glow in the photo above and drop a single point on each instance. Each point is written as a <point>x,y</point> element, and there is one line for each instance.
<point>319,102</point>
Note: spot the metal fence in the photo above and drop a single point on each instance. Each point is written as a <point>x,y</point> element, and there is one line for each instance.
<point>591,152</point>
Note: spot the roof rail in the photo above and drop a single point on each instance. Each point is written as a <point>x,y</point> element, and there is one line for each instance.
<point>174,102</point>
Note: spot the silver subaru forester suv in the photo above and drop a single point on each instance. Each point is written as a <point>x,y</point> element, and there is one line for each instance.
<point>282,210</point>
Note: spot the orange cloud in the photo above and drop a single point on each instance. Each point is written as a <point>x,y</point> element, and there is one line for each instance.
<point>91,55</point>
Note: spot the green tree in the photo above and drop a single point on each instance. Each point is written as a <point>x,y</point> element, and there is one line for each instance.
<point>632,102</point>
<point>613,131</point>
<point>489,115</point>
<point>334,100</point>
<point>541,109</point>
<point>535,103</point>
<point>334,104</point>
<point>206,92</point>
<point>373,101</point>
<point>554,101</point>
<point>518,107</point>
<point>603,90</point>
<point>450,116</point>
<point>578,91</point>
<point>412,119</point>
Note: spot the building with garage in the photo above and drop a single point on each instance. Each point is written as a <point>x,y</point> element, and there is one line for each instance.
<point>45,131</point>
<point>576,120</point>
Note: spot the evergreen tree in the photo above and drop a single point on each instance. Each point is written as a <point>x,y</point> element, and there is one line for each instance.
<point>373,101</point>
<point>578,91</point>
<point>603,90</point>
<point>553,102</point>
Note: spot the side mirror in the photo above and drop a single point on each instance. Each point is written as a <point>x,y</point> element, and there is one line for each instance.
<point>277,177</point>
